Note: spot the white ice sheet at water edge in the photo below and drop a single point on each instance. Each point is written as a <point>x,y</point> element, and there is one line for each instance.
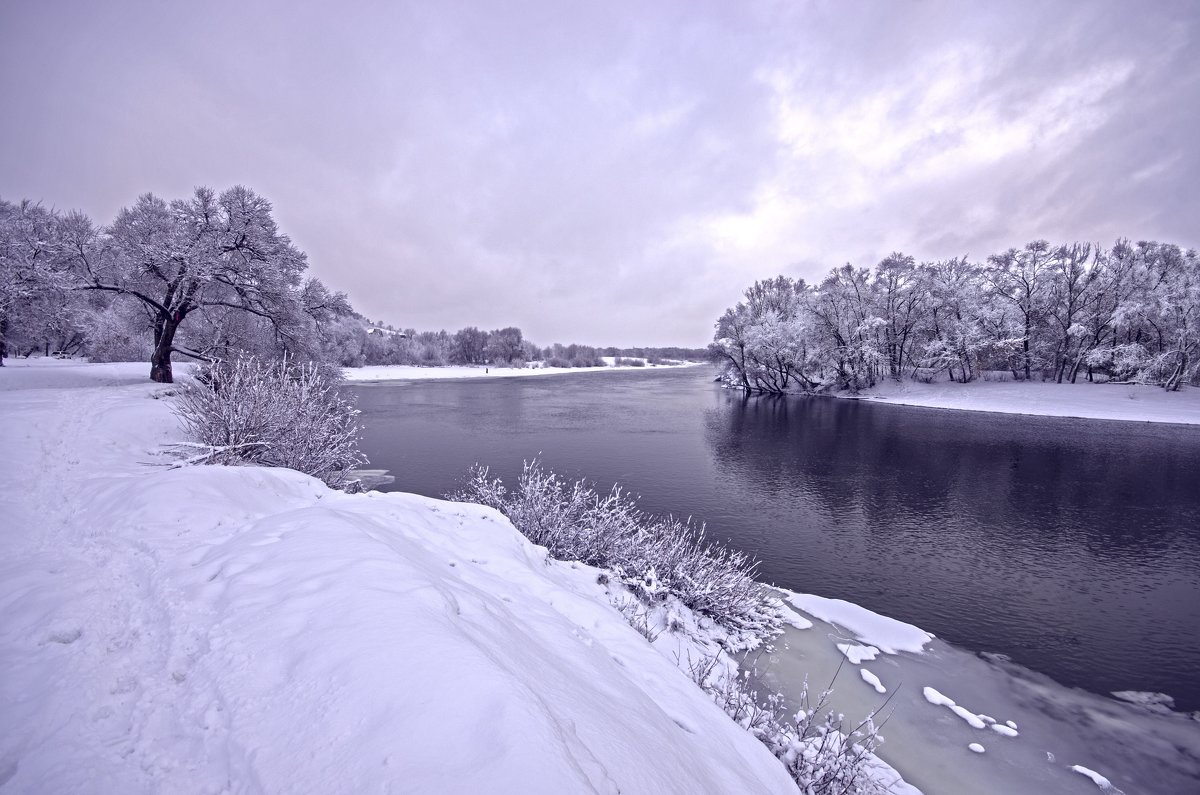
<point>871,629</point>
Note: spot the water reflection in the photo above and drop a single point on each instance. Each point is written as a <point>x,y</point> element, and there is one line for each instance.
<point>1050,539</point>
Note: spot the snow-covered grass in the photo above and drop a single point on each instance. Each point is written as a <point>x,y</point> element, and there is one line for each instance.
<point>251,630</point>
<point>1135,402</point>
<point>403,372</point>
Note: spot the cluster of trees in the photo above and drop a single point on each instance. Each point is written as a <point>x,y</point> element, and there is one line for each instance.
<point>355,342</point>
<point>211,277</point>
<point>207,277</point>
<point>358,342</point>
<point>1128,313</point>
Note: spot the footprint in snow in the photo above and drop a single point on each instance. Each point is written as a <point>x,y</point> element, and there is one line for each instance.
<point>64,635</point>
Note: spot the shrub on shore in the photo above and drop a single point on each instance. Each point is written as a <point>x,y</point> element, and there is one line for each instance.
<point>273,413</point>
<point>653,556</point>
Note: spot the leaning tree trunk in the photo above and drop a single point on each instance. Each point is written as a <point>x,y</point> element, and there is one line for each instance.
<point>1176,378</point>
<point>160,360</point>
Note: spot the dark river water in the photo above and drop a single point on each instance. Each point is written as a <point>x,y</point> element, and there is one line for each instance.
<point>1071,546</point>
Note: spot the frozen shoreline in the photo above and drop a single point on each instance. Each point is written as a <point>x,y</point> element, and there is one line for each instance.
<point>382,373</point>
<point>1124,402</point>
<point>962,722</point>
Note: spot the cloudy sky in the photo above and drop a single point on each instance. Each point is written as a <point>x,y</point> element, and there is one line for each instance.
<point>609,172</point>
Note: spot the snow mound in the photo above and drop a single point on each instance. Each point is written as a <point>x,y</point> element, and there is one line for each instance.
<point>975,721</point>
<point>856,653</point>
<point>886,634</point>
<point>1097,779</point>
<point>872,680</point>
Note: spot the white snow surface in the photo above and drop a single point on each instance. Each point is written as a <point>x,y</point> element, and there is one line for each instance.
<point>404,372</point>
<point>1134,402</point>
<point>220,629</point>
<point>871,629</point>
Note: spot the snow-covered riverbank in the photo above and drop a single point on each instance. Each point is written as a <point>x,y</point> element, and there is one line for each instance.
<point>170,630</point>
<point>402,372</point>
<point>216,629</point>
<point>1130,402</point>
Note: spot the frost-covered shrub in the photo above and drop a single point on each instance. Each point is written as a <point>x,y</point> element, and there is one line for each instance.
<point>273,413</point>
<point>820,752</point>
<point>653,556</point>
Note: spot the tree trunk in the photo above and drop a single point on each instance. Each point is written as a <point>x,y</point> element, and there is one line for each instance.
<point>3,338</point>
<point>160,360</point>
<point>1176,378</point>
<point>1025,345</point>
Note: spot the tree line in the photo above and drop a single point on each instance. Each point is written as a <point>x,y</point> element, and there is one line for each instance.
<point>211,277</point>
<point>355,343</point>
<point>1051,312</point>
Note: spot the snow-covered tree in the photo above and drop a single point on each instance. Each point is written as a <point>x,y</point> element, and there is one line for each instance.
<point>843,310</point>
<point>1019,277</point>
<point>504,345</point>
<point>957,332</point>
<point>32,302</point>
<point>903,299</point>
<point>469,346</point>
<point>207,253</point>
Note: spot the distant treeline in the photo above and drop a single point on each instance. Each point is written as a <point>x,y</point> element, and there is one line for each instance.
<point>356,343</point>
<point>1051,312</point>
<point>211,277</point>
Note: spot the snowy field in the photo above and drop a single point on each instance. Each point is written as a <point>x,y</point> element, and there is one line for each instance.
<point>1091,401</point>
<point>214,629</point>
<point>402,372</point>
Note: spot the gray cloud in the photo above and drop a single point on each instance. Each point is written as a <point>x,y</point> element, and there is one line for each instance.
<point>614,173</point>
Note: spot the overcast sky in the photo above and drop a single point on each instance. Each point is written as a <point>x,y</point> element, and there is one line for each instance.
<point>614,173</point>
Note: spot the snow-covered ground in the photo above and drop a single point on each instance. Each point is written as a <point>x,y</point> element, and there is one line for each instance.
<point>402,372</point>
<point>1092,401</point>
<point>213,629</point>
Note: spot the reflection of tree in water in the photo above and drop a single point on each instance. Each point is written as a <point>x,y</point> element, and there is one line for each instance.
<point>1014,479</point>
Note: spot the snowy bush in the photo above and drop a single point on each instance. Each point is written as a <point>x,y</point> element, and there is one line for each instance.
<point>651,555</point>
<point>814,743</point>
<point>820,753</point>
<point>273,413</point>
